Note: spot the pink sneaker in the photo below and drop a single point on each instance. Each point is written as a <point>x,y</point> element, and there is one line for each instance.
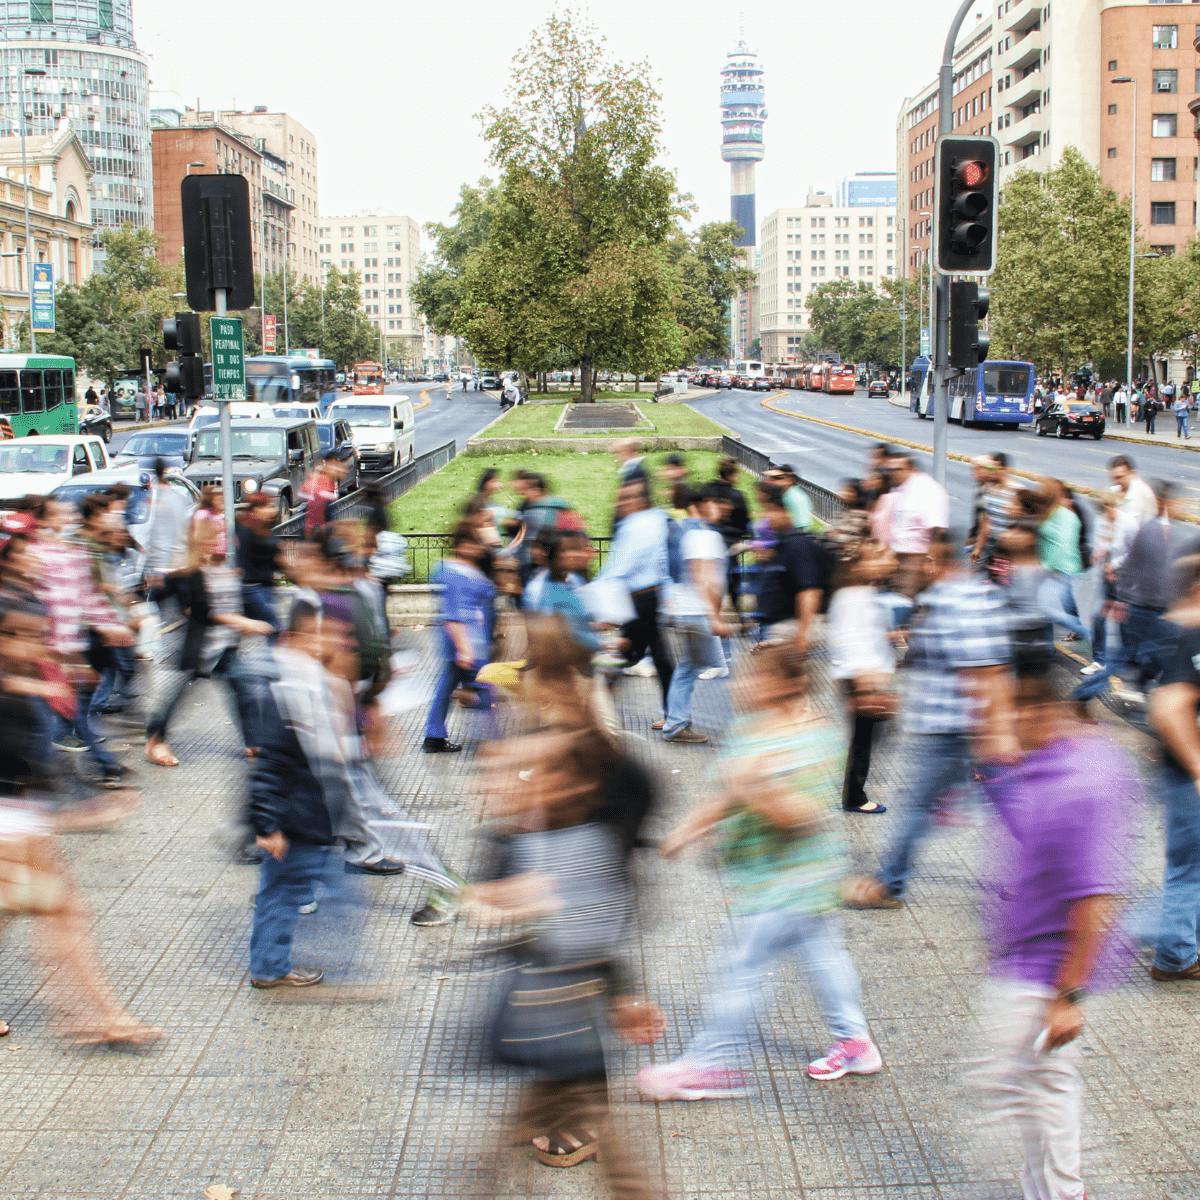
<point>681,1080</point>
<point>847,1056</point>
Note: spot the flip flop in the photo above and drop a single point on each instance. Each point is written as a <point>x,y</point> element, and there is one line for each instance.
<point>865,892</point>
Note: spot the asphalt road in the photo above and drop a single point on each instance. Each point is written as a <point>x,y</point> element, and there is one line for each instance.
<point>827,456</point>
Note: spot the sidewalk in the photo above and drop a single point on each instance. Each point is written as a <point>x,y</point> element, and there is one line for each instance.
<point>367,1101</point>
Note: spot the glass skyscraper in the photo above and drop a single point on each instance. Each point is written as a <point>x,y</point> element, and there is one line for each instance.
<point>96,79</point>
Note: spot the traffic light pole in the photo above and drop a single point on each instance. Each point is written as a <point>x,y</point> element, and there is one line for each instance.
<point>226,427</point>
<point>941,323</point>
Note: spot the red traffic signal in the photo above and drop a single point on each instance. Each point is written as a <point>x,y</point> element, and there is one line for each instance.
<point>965,234</point>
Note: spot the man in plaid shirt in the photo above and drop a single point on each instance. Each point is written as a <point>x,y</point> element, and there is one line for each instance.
<point>957,704</point>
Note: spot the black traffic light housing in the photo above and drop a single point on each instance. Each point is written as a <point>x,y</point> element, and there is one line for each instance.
<point>217,252</point>
<point>965,233</point>
<point>185,376</point>
<point>968,306</point>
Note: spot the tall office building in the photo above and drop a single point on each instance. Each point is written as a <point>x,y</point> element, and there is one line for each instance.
<point>95,79</point>
<point>743,114</point>
<point>385,250</point>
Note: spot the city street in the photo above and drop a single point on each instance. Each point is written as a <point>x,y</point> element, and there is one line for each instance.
<point>827,455</point>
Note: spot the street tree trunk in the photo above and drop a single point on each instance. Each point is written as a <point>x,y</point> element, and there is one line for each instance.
<point>587,380</point>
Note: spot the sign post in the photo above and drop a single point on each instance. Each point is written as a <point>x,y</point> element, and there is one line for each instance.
<point>43,297</point>
<point>268,333</point>
<point>229,384</point>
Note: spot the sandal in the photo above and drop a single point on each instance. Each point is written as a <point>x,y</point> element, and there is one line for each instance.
<point>160,755</point>
<point>564,1149</point>
<point>119,1033</point>
<point>871,809</point>
<point>865,892</point>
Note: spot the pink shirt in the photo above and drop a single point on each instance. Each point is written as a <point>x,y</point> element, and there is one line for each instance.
<point>921,505</point>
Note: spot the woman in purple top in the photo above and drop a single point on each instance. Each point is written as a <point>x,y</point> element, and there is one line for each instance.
<point>1063,820</point>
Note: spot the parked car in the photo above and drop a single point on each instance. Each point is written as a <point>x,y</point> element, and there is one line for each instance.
<point>94,419</point>
<point>139,507</point>
<point>489,382</point>
<point>37,465</point>
<point>336,435</point>
<point>146,448</point>
<point>274,457</point>
<point>1075,418</point>
<point>879,387</point>
<point>760,384</point>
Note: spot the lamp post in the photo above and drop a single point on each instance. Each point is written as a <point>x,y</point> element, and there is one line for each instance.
<point>929,268</point>
<point>31,71</point>
<point>287,342</point>
<point>1132,229</point>
<point>904,313</point>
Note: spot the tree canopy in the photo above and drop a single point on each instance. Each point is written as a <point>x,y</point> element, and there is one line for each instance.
<point>860,322</point>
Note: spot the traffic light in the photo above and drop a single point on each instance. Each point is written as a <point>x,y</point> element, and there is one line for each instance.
<point>965,234</point>
<point>968,306</point>
<point>185,376</point>
<point>217,241</point>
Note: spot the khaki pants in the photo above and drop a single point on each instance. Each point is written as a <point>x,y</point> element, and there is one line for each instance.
<point>1037,1093</point>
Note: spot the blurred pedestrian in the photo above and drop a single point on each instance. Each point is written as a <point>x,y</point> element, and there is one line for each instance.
<point>919,510</point>
<point>794,576</point>
<point>631,466</point>
<point>795,499</point>
<point>1137,496</point>
<point>320,490</point>
<point>258,559</point>
<point>783,861</point>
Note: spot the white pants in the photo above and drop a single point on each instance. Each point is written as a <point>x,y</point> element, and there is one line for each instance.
<point>1039,1093</point>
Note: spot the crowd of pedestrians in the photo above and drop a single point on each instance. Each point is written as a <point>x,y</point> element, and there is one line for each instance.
<point>1130,403</point>
<point>739,604</point>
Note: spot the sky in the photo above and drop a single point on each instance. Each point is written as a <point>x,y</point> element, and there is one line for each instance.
<point>390,88</point>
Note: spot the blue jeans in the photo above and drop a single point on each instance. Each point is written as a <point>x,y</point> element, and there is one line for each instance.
<point>761,942</point>
<point>452,676</point>
<point>1181,422</point>
<point>695,649</point>
<point>241,685</point>
<point>942,761</point>
<point>1145,637</point>
<point>85,731</point>
<point>1176,949</point>
<point>1057,599</point>
<point>258,603</point>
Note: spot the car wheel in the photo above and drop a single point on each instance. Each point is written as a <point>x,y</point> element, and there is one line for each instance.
<point>1061,432</point>
<point>107,435</point>
<point>1040,430</point>
<point>285,508</point>
<point>1097,436</point>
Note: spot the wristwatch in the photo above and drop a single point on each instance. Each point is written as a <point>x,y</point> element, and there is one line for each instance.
<point>1072,995</point>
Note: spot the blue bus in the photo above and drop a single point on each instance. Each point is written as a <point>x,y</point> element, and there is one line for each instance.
<point>996,392</point>
<point>291,379</point>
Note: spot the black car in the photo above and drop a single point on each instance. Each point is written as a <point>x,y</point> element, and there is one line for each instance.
<point>335,435</point>
<point>274,457</point>
<point>95,420</point>
<point>1075,418</point>
<point>171,445</point>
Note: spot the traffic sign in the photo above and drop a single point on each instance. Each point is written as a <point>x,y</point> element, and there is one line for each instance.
<point>925,342</point>
<point>268,333</point>
<point>228,358</point>
<point>43,297</point>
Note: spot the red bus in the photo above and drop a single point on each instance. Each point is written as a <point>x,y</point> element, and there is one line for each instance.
<point>839,379</point>
<point>815,376</point>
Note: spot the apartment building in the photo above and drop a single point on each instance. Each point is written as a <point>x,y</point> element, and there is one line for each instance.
<point>804,247</point>
<point>385,250</point>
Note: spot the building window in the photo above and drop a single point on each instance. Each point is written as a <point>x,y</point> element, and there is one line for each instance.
<point>1162,212</point>
<point>1112,64</point>
<point>1166,81</point>
<point>104,14</point>
<point>1162,170</point>
<point>1164,125</point>
<point>1112,152</point>
<point>1112,110</point>
<point>1166,37</point>
<point>41,11</point>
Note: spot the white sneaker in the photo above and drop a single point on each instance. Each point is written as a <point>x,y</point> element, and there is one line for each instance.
<point>847,1056</point>
<point>1093,668</point>
<point>645,668</point>
<point>715,673</point>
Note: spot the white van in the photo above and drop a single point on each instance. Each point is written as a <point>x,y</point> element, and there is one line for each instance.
<point>382,428</point>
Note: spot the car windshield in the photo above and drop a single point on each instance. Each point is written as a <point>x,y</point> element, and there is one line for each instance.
<point>325,436</point>
<point>137,507</point>
<point>145,444</point>
<point>1080,406</point>
<point>247,443</point>
<point>36,458</point>
<point>294,411</point>
<point>365,414</point>
<point>1006,381</point>
<point>206,418</point>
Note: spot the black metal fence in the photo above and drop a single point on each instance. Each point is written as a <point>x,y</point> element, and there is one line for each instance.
<point>827,506</point>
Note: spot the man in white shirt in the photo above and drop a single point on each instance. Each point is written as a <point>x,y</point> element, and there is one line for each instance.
<point>1137,496</point>
<point>1121,405</point>
<point>920,506</point>
<point>694,603</point>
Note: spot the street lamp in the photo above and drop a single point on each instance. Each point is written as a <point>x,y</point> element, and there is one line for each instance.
<point>189,166</point>
<point>1132,229</point>
<point>287,342</point>
<point>929,265</point>
<point>32,72</point>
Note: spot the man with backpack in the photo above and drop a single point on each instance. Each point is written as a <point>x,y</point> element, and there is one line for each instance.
<point>795,581</point>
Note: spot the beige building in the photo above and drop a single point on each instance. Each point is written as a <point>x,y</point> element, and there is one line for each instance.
<point>385,250</point>
<point>804,247</point>
<point>60,216</point>
<point>283,137</point>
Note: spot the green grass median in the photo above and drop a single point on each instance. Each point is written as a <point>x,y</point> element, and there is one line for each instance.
<point>668,420</point>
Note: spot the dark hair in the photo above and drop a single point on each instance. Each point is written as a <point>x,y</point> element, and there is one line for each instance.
<point>160,469</point>
<point>567,539</point>
<point>94,504</point>
<point>1164,490</point>
<point>464,532</point>
<point>727,469</point>
<point>675,460</point>
<point>683,495</point>
<point>710,491</point>
<point>1120,460</point>
<point>1000,459</point>
<point>488,475</point>
<point>118,492</point>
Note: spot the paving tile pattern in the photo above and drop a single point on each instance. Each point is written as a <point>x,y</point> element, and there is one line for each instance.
<point>390,1095</point>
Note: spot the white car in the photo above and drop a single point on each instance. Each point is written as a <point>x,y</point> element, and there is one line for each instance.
<point>37,465</point>
<point>239,410</point>
<point>297,412</point>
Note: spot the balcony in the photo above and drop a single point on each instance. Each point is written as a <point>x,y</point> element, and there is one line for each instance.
<point>1022,132</point>
<point>1194,109</point>
<point>1023,15</point>
<point>1024,91</point>
<point>1028,50</point>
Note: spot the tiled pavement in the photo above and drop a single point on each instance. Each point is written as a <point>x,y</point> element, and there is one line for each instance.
<point>282,1100</point>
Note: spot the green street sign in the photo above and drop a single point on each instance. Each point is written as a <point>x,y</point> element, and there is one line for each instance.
<point>228,358</point>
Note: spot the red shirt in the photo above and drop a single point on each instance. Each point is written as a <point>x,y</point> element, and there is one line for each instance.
<point>319,492</point>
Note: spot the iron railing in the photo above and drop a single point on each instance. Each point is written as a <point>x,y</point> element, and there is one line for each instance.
<point>827,506</point>
<point>426,550</point>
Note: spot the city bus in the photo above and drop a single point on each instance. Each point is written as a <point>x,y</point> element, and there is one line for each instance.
<point>839,378</point>
<point>37,393</point>
<point>996,392</point>
<point>279,379</point>
<point>368,379</point>
<point>749,370</point>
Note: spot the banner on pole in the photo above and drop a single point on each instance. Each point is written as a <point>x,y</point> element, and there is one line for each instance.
<point>42,317</point>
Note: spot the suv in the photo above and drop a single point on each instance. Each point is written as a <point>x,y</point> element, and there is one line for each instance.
<point>337,436</point>
<point>268,456</point>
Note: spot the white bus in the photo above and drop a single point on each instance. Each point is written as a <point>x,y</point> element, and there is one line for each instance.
<point>749,369</point>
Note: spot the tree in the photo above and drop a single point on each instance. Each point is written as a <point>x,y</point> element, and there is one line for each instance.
<point>709,274</point>
<point>576,146</point>
<point>104,322</point>
<point>855,320</point>
<point>1058,291</point>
